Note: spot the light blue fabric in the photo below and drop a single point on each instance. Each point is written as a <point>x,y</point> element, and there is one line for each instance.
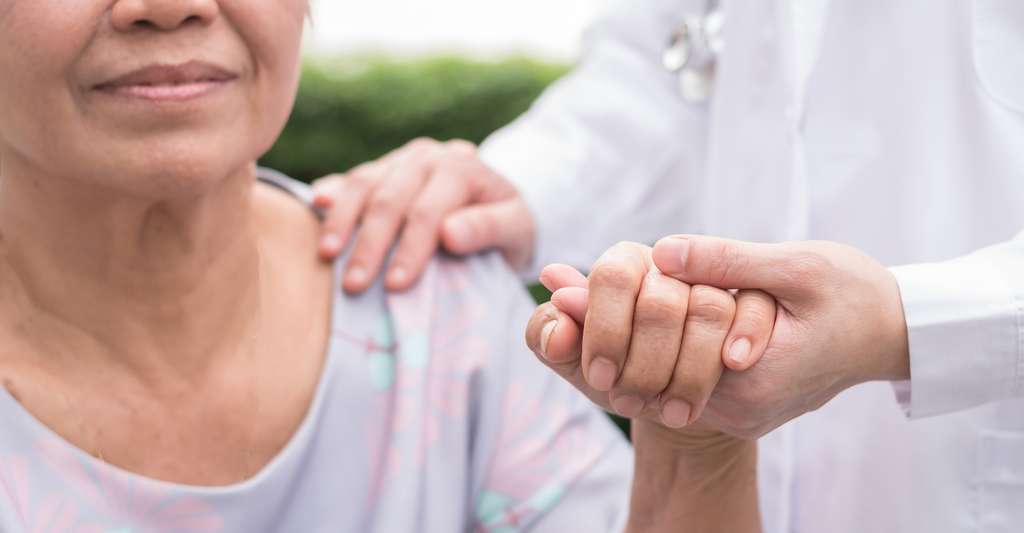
<point>430,416</point>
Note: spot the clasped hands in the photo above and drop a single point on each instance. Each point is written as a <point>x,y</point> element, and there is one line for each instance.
<point>706,336</point>
<point>698,333</point>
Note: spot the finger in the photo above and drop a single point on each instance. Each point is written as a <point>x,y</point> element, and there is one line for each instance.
<point>444,192</point>
<point>557,276</point>
<point>709,314</point>
<point>347,200</point>
<point>555,339</point>
<point>325,190</point>
<point>384,215</point>
<point>751,329</point>
<point>654,346</point>
<point>614,285</point>
<point>505,225</point>
<point>573,302</point>
<point>780,269</point>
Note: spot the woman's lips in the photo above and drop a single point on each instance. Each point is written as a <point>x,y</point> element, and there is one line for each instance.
<point>168,93</point>
<point>169,83</point>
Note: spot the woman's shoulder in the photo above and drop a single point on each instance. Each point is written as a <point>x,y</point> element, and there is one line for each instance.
<point>283,213</point>
<point>481,281</point>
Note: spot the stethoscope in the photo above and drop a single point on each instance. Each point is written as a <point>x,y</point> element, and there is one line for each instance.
<point>693,50</point>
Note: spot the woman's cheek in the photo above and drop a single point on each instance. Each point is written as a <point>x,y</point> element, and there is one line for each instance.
<point>272,31</point>
<point>40,42</point>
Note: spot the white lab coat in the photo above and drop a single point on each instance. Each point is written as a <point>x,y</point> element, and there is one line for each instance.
<point>896,127</point>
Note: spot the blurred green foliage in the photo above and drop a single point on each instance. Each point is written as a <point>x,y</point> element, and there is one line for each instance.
<point>355,109</point>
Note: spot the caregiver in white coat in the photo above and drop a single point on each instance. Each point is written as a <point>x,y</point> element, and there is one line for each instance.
<point>894,127</point>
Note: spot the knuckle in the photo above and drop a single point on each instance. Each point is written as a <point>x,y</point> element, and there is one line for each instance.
<point>644,383</point>
<point>660,309</point>
<point>711,305</point>
<point>332,180</point>
<point>617,275</point>
<point>630,248</point>
<point>453,169</point>
<point>718,260</point>
<point>755,311</point>
<point>386,204</point>
<point>476,226</point>
<point>461,147</point>
<point>421,144</point>
<point>422,215</point>
<point>361,176</point>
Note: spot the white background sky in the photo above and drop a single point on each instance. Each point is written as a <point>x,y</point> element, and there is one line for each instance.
<point>548,28</point>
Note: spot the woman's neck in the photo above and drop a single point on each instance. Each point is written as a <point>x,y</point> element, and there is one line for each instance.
<point>157,285</point>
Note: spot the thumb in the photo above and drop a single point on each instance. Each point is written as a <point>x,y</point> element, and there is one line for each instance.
<point>506,225</point>
<point>782,270</point>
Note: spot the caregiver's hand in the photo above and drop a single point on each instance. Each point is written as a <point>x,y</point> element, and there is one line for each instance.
<point>642,344</point>
<point>840,322</point>
<point>685,473</point>
<point>431,193</point>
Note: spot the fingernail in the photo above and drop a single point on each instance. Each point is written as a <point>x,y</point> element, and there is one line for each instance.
<point>603,374</point>
<point>356,276</point>
<point>545,336</point>
<point>628,406</point>
<point>330,242</point>
<point>739,352</point>
<point>398,276</point>
<point>323,201</point>
<point>677,248</point>
<point>675,414</point>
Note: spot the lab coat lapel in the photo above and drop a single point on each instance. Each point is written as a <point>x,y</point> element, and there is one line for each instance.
<point>757,187</point>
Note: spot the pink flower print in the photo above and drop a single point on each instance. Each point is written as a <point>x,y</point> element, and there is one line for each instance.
<point>125,501</point>
<point>184,515</point>
<point>454,275</point>
<point>443,343</point>
<point>530,434</point>
<point>541,452</point>
<point>52,513</point>
<point>432,379</point>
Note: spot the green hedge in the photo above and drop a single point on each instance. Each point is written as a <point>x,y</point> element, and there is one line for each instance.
<point>352,110</point>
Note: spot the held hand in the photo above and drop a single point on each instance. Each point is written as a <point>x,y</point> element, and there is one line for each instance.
<point>840,323</point>
<point>660,374</point>
<point>430,193</point>
<point>662,371</point>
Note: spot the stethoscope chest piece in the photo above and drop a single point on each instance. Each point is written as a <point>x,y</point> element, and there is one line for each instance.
<point>692,54</point>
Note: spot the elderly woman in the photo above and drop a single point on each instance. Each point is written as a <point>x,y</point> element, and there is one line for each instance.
<point>175,360</point>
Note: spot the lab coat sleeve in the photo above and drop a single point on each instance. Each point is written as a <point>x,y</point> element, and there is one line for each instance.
<point>965,323</point>
<point>609,152</point>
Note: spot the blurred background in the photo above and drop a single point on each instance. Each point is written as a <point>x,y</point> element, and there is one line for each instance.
<point>378,74</point>
<point>473,28</point>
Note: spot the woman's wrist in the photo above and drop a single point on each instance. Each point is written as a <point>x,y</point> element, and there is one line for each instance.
<point>699,480</point>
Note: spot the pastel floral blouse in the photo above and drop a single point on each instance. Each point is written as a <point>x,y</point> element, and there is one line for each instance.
<point>431,415</point>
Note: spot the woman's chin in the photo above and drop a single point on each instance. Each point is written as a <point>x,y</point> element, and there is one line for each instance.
<point>165,167</point>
